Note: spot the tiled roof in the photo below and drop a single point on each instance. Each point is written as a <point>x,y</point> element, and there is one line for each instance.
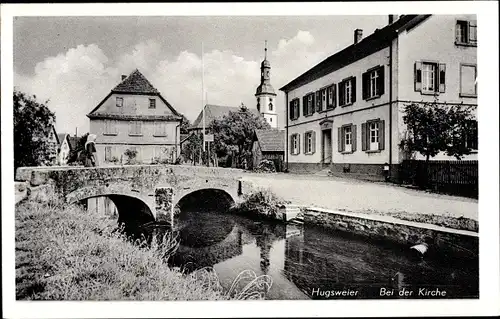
<point>216,112</point>
<point>271,140</point>
<point>135,83</point>
<point>374,42</point>
<point>60,138</point>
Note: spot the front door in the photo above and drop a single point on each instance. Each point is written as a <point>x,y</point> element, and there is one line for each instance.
<point>326,143</point>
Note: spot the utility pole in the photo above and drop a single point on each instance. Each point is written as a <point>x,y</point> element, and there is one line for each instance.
<point>202,94</point>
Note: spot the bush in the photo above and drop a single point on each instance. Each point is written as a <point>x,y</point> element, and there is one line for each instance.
<point>262,202</point>
<point>266,166</point>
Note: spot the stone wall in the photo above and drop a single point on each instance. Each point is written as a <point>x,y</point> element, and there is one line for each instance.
<point>441,240</point>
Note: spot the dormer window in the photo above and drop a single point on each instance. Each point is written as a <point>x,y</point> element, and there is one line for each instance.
<point>152,103</point>
<point>119,101</point>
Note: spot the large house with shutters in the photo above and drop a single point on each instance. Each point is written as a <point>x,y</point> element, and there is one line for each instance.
<point>346,113</point>
<point>134,116</point>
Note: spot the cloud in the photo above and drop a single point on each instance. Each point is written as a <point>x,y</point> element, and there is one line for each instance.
<point>77,80</point>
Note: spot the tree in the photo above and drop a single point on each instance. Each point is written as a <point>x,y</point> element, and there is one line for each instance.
<point>76,154</point>
<point>433,128</point>
<point>131,155</point>
<point>33,123</point>
<point>185,125</point>
<point>233,133</point>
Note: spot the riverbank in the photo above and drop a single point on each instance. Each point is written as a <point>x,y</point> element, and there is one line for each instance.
<point>66,253</point>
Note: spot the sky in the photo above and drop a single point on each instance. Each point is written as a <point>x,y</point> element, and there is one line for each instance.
<point>73,62</point>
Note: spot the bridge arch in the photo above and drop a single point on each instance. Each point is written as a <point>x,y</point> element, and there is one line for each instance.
<point>132,206</point>
<point>204,198</point>
<point>202,189</point>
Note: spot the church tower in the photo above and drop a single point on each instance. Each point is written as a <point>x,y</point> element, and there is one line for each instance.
<point>266,98</point>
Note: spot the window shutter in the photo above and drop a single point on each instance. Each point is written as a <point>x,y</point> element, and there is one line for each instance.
<point>291,109</point>
<point>305,143</point>
<point>353,91</point>
<point>298,143</point>
<point>340,139</point>
<point>363,137</point>
<point>313,138</point>
<point>313,103</point>
<point>334,89</point>
<point>418,76</point>
<point>442,77</point>
<point>304,105</point>
<point>365,85</point>
<point>341,93</point>
<point>353,137</point>
<point>381,81</point>
<point>473,31</point>
<point>318,101</point>
<point>381,135</point>
<point>329,102</point>
<point>291,144</point>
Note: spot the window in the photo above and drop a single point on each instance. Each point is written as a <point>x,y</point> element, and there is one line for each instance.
<point>110,127</point>
<point>109,153</point>
<point>466,33</point>
<point>294,109</point>
<point>160,128</point>
<point>271,119</point>
<point>270,106</point>
<point>308,105</point>
<point>372,135</point>
<point>152,103</point>
<point>294,144</point>
<point>331,96</point>
<point>470,138</point>
<point>135,128</point>
<point>468,87</point>
<point>310,142</point>
<point>373,83</point>
<point>373,126</point>
<point>321,100</point>
<point>430,77</point>
<point>347,91</point>
<point>347,138</point>
<point>258,104</point>
<point>159,152</point>
<point>119,101</point>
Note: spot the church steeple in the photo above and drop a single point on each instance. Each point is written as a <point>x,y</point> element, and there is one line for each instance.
<point>265,92</point>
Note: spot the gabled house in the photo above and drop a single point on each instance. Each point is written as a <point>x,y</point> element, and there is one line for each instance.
<point>268,145</point>
<point>63,149</point>
<point>346,113</point>
<point>134,116</point>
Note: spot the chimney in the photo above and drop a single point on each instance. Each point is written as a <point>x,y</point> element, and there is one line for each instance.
<point>123,77</point>
<point>393,18</point>
<point>358,35</point>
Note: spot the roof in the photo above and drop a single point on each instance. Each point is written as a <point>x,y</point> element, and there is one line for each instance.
<point>135,83</point>
<point>271,140</point>
<point>61,137</point>
<point>184,137</point>
<point>374,42</point>
<point>216,112</point>
<point>265,88</point>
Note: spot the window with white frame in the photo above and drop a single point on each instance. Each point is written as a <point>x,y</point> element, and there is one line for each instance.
<point>373,135</point>
<point>119,101</point>
<point>294,109</point>
<point>470,138</point>
<point>428,77</point>
<point>160,128</point>
<point>294,144</point>
<point>135,128</point>
<point>347,91</point>
<point>466,32</point>
<point>468,75</point>
<point>373,83</point>
<point>110,127</point>
<point>310,104</point>
<point>347,138</point>
<point>331,96</point>
<point>324,101</point>
<point>309,140</point>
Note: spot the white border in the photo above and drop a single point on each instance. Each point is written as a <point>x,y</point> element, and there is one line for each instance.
<point>488,304</point>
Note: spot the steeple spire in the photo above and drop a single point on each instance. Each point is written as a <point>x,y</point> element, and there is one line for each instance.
<point>265,50</point>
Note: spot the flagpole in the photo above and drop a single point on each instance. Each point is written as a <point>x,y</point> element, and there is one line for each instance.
<point>202,94</point>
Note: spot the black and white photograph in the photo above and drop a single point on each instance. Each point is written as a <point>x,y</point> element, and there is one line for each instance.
<point>205,156</point>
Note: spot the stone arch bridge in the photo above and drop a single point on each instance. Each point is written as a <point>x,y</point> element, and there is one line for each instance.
<point>153,189</point>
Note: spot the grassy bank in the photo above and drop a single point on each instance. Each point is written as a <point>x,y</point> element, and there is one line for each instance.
<point>66,253</point>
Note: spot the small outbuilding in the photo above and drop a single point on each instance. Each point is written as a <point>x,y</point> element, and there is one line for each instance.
<point>268,145</point>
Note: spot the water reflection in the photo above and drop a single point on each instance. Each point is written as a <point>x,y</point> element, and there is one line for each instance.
<point>305,260</point>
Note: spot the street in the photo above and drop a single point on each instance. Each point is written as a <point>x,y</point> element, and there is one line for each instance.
<point>362,196</point>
